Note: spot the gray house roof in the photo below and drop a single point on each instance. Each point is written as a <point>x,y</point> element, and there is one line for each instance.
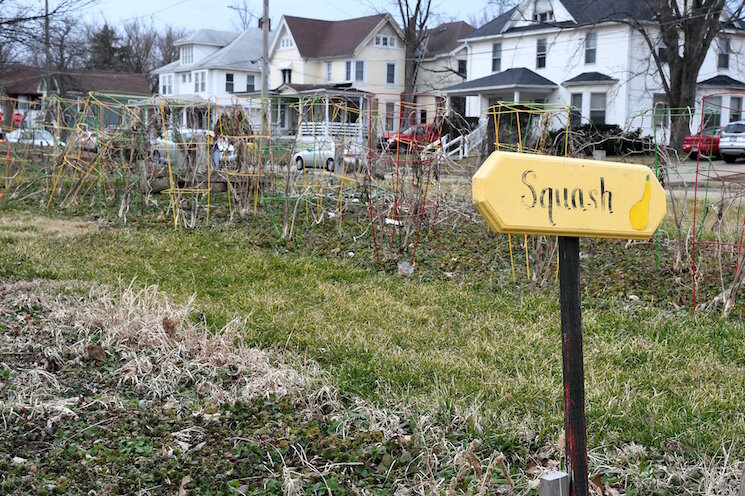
<point>517,77</point>
<point>493,27</point>
<point>722,81</point>
<point>241,53</point>
<point>589,77</point>
<point>207,37</point>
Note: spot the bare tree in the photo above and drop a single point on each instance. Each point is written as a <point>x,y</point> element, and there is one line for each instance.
<point>139,45</point>
<point>415,15</point>
<point>246,14</point>
<point>166,49</point>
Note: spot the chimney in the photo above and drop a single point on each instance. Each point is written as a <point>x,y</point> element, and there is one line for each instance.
<point>261,24</point>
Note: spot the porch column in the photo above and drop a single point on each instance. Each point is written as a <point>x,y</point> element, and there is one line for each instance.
<point>326,102</point>
<point>516,96</point>
<point>360,122</point>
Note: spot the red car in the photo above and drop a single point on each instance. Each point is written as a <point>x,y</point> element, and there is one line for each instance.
<point>706,142</point>
<point>416,136</point>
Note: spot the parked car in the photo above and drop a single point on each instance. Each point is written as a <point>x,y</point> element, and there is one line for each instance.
<point>416,136</point>
<point>87,140</point>
<point>177,144</point>
<point>732,141</point>
<point>315,153</point>
<point>34,137</point>
<point>705,142</point>
<point>326,153</point>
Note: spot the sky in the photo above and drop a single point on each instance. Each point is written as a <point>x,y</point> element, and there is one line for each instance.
<point>215,14</point>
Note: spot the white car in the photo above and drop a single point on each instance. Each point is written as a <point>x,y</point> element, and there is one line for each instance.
<point>732,141</point>
<point>176,144</point>
<point>323,153</point>
<point>33,136</point>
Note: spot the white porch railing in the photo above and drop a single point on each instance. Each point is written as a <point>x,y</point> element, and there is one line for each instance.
<point>466,144</point>
<point>346,129</point>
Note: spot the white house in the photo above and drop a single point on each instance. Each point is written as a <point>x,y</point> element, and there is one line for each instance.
<point>580,52</point>
<point>213,65</point>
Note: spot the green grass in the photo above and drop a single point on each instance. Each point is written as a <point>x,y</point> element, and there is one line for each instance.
<point>476,351</point>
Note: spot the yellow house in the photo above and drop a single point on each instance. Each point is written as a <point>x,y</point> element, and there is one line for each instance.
<point>344,77</point>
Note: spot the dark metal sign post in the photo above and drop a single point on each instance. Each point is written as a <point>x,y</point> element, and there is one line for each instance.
<point>575,431</point>
<point>515,194</point>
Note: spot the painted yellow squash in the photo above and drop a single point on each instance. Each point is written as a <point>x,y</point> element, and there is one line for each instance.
<point>639,213</point>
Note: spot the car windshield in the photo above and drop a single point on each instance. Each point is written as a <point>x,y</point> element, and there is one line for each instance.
<point>737,127</point>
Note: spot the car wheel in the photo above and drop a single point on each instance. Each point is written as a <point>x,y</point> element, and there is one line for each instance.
<point>730,159</point>
<point>299,163</point>
<point>330,165</point>
<point>156,157</point>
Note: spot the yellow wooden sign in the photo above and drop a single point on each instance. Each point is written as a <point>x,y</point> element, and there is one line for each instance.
<point>537,194</point>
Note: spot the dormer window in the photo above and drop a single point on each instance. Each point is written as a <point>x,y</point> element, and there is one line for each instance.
<point>385,41</point>
<point>543,11</point>
<point>187,55</point>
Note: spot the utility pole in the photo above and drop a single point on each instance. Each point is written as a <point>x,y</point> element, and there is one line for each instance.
<point>265,69</point>
<point>47,78</point>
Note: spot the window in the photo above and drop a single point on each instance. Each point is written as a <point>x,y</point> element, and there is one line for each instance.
<point>422,116</point>
<point>328,71</point>
<point>286,42</point>
<point>166,84</point>
<point>540,57</point>
<point>661,110</point>
<point>597,108</point>
<point>358,66</point>
<point>591,46</point>
<point>543,11</point>
<point>462,67</point>
<point>282,115</point>
<point>575,113</point>
<point>183,78</point>
<point>390,73</point>
<point>286,76</point>
<point>187,54</point>
<point>385,41</point>
<point>723,61</point>
<point>496,57</point>
<point>229,83</point>
<point>250,82</point>
<point>662,52</point>
<point>735,108</point>
<point>199,81</point>
<point>390,116</point>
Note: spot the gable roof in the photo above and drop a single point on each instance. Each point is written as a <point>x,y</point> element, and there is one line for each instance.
<point>584,12</point>
<point>493,27</point>
<point>510,78</point>
<point>244,52</point>
<point>722,81</point>
<point>594,11</point>
<point>24,80</point>
<point>316,38</point>
<point>207,37</point>
<point>445,37</point>
<point>21,80</point>
<point>106,82</point>
<point>589,77</point>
